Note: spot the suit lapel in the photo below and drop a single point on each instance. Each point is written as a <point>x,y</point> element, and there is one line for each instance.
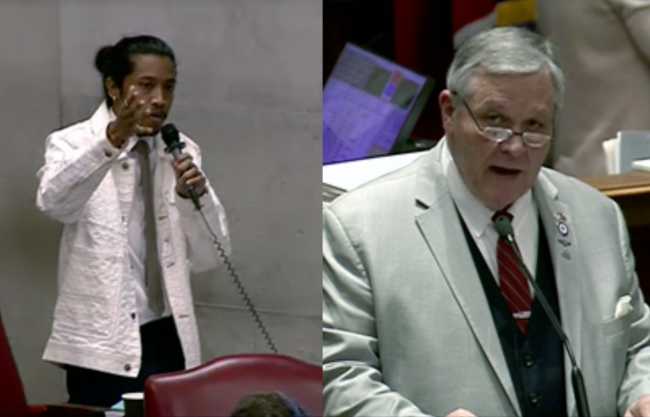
<point>438,222</point>
<point>556,218</point>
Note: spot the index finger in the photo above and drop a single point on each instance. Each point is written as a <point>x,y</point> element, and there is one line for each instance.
<point>131,96</point>
<point>134,111</point>
<point>184,157</point>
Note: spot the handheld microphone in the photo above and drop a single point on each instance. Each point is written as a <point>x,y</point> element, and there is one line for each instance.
<point>174,146</point>
<point>504,229</point>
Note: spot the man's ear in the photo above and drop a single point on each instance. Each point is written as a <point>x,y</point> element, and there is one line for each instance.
<point>447,108</point>
<point>112,88</point>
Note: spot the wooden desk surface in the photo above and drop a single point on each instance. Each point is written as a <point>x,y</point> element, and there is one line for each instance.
<point>630,184</point>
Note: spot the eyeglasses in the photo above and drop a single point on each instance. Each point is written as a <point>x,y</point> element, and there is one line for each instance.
<point>500,134</point>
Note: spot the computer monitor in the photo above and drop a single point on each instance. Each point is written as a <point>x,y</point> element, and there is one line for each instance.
<point>370,106</point>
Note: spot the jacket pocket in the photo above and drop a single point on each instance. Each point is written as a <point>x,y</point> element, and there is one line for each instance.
<point>92,273</point>
<point>88,295</point>
<point>615,327</point>
<point>82,320</point>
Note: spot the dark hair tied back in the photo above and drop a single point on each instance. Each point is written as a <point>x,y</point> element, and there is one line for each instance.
<point>102,58</point>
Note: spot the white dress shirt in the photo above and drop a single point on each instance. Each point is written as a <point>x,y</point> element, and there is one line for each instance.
<point>136,233</point>
<point>478,219</point>
<point>137,240</point>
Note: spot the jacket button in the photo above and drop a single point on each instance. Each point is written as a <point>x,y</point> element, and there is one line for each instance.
<point>125,165</point>
<point>534,399</point>
<point>529,361</point>
<point>108,153</point>
<point>133,316</point>
<point>127,367</point>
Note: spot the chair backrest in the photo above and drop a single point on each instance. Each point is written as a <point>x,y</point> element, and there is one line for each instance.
<point>215,388</point>
<point>13,402</point>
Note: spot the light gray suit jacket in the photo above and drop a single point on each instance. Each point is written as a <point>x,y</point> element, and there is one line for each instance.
<point>604,46</point>
<point>407,330</point>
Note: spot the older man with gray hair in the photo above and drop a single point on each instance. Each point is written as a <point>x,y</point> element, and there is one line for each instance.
<point>426,307</point>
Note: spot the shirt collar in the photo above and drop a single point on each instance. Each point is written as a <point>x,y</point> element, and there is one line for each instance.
<point>477,216</point>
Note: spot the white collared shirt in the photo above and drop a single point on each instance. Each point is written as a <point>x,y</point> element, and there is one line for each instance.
<point>136,232</point>
<point>478,219</point>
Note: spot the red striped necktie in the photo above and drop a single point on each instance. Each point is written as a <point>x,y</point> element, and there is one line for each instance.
<point>512,281</point>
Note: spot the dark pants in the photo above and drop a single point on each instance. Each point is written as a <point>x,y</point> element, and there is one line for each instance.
<point>161,353</point>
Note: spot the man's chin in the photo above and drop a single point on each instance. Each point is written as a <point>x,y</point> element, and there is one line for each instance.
<point>500,201</point>
<point>146,135</point>
<point>155,126</point>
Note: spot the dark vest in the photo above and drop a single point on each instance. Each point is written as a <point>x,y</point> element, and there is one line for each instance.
<point>536,362</point>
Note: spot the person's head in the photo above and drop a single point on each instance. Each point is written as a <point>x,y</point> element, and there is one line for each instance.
<point>505,78</point>
<point>145,63</point>
<point>267,405</point>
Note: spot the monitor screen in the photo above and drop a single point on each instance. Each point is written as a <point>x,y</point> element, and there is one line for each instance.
<point>370,106</point>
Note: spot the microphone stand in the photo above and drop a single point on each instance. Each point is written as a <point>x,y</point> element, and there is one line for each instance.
<point>504,228</point>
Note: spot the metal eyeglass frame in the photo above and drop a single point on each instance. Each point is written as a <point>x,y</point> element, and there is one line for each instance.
<point>502,134</point>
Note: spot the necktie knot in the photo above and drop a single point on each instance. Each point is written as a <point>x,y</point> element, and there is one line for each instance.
<point>142,147</point>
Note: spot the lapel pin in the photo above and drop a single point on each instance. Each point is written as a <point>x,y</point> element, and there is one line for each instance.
<point>566,255</point>
<point>560,216</point>
<point>562,228</point>
<point>564,243</point>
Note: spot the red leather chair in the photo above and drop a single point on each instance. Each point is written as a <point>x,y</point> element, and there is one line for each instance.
<point>13,402</point>
<point>215,388</point>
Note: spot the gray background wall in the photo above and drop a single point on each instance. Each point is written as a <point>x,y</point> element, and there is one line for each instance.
<point>250,79</point>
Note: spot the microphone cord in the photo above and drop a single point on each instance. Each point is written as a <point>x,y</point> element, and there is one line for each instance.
<point>504,229</point>
<point>579,390</point>
<point>240,287</point>
<point>171,137</point>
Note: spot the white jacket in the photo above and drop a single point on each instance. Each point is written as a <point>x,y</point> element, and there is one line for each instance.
<point>94,325</point>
